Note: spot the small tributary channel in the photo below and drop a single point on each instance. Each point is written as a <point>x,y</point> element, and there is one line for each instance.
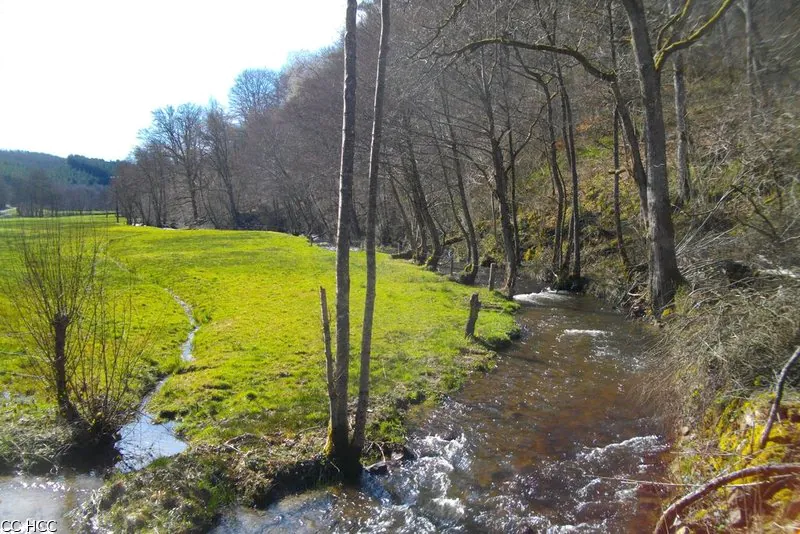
<point>552,440</point>
<point>142,441</point>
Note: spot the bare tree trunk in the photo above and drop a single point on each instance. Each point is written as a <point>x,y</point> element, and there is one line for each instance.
<point>664,274</point>
<point>558,184</point>
<point>684,179</point>
<point>326,343</point>
<point>472,240</point>
<point>679,83</point>
<point>409,231</point>
<point>753,66</point>
<point>449,190</point>
<point>617,166</point>
<point>513,171</point>
<point>372,208</point>
<point>617,218</point>
<point>500,189</point>
<point>65,408</point>
<point>193,199</point>
<point>337,447</point>
<point>632,138</point>
<point>421,253</point>
<point>432,262</point>
<point>566,109</point>
<point>567,257</point>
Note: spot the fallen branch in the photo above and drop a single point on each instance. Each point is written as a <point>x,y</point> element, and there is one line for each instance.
<point>668,517</point>
<point>776,404</point>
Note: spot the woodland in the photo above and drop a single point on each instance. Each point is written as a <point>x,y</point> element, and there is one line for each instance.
<point>644,152</point>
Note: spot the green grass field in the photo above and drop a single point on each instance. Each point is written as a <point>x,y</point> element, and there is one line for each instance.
<point>259,364</point>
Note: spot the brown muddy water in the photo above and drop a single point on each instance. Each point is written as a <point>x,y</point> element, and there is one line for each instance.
<point>548,442</point>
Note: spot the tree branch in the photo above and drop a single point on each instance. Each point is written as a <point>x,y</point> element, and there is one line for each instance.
<point>592,69</point>
<point>773,412</point>
<point>457,8</point>
<point>666,51</point>
<point>668,517</point>
<point>681,14</point>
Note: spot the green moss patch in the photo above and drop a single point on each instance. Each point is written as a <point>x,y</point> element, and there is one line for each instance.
<point>730,443</point>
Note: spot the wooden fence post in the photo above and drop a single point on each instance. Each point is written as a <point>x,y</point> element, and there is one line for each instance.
<point>474,308</point>
<point>491,277</point>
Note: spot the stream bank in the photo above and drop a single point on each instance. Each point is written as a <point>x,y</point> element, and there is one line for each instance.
<point>526,446</point>
<point>142,441</point>
<point>548,441</point>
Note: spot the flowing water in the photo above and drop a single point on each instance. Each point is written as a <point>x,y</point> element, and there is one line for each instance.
<point>141,441</point>
<point>144,440</point>
<point>550,441</point>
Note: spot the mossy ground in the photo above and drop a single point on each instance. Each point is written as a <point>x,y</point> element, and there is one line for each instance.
<point>729,441</point>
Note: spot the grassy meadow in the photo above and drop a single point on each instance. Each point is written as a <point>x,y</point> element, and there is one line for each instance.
<point>258,358</point>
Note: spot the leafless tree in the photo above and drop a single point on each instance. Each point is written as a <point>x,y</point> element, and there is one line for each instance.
<point>76,333</point>
<point>255,91</point>
<point>372,209</point>
<point>179,132</point>
<point>338,445</point>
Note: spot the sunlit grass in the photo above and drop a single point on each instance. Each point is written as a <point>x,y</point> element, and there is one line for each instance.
<point>259,363</point>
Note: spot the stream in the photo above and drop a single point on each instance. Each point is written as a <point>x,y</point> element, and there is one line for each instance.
<point>144,440</point>
<point>552,440</point>
<point>141,441</point>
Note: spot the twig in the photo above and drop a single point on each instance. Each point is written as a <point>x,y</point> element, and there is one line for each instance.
<point>773,413</point>
<point>669,515</point>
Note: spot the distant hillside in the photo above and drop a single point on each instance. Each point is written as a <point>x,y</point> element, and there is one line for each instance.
<point>78,170</point>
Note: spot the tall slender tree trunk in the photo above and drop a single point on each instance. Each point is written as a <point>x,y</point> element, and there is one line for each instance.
<point>513,172</point>
<point>432,261</point>
<point>421,252</point>
<point>617,165</point>
<point>372,208</point>
<point>632,138</point>
<point>337,447</point>
<point>569,125</point>
<point>472,240</point>
<point>679,83</point>
<point>500,188</point>
<point>623,114</point>
<point>617,218</point>
<point>684,178</point>
<point>664,274</point>
<point>567,257</point>
<point>558,184</point>
<point>193,199</point>
<point>407,227</point>
<point>449,189</point>
<point>753,66</point>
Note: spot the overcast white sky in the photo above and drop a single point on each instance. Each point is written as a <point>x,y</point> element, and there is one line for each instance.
<point>83,76</point>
